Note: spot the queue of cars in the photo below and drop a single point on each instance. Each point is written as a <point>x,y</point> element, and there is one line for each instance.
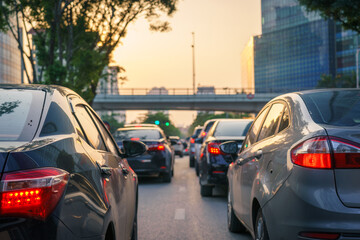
<point>292,173</point>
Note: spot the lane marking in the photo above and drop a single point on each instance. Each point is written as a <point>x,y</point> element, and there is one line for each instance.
<point>180,214</point>
<point>182,189</point>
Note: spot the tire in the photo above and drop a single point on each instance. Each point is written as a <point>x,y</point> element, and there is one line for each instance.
<point>191,163</point>
<point>260,228</point>
<point>167,177</point>
<point>181,155</point>
<point>234,225</point>
<point>206,191</point>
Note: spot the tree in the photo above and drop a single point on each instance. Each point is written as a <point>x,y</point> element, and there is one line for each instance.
<point>344,11</point>
<point>164,123</point>
<point>339,81</point>
<point>114,124</point>
<point>73,39</point>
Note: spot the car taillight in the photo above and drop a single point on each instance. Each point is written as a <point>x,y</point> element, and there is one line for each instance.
<point>203,134</point>
<point>32,193</point>
<point>213,148</point>
<point>156,147</point>
<point>317,153</point>
<point>316,235</point>
<point>192,140</point>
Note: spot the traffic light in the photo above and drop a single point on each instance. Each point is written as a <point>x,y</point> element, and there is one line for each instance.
<point>157,122</point>
<point>167,124</point>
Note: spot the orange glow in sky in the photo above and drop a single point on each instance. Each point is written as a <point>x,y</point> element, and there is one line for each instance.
<point>222,29</point>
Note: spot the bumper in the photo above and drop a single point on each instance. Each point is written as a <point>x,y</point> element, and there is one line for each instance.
<point>217,175</point>
<point>308,202</point>
<point>148,165</point>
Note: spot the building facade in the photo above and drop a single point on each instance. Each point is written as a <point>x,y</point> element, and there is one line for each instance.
<point>10,59</point>
<point>247,68</point>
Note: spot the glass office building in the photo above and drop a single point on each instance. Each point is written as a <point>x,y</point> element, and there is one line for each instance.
<point>10,60</point>
<point>295,49</point>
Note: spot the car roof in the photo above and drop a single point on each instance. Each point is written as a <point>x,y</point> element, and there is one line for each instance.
<point>39,87</point>
<point>137,128</point>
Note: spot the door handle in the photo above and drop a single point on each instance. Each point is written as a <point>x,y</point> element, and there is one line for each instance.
<point>239,161</point>
<point>105,171</point>
<point>124,170</point>
<point>259,154</point>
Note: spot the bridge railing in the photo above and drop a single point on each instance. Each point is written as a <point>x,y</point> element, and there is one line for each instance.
<point>190,91</point>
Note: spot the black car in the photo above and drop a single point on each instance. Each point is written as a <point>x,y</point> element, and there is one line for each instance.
<point>214,164</point>
<point>159,158</point>
<point>191,151</point>
<point>62,174</point>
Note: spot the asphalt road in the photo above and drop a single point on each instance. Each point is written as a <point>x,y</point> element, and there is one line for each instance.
<point>176,210</point>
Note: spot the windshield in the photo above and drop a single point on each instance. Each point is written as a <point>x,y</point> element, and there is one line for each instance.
<point>338,108</point>
<point>232,128</point>
<point>20,111</point>
<point>138,134</point>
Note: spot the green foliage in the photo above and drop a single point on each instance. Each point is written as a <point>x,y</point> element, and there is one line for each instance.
<point>165,124</point>
<point>74,40</point>
<point>344,11</point>
<point>201,118</point>
<point>339,81</point>
<point>114,124</point>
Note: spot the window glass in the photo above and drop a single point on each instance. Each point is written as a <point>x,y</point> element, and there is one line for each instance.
<point>232,128</point>
<point>56,122</point>
<point>20,112</point>
<point>90,129</point>
<point>138,134</point>
<point>338,108</point>
<point>255,129</point>
<point>105,134</point>
<point>270,125</point>
<point>284,123</point>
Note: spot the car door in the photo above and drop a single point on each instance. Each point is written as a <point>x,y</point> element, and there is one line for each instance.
<point>113,185</point>
<point>256,172</point>
<point>245,156</point>
<point>123,176</point>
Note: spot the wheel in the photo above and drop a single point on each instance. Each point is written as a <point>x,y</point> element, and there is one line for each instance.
<point>191,162</point>
<point>206,191</point>
<point>172,172</point>
<point>260,229</point>
<point>234,225</point>
<point>167,177</point>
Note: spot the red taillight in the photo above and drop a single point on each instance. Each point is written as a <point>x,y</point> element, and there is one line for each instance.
<point>332,236</point>
<point>192,140</point>
<point>313,153</point>
<point>134,139</point>
<point>156,147</point>
<point>316,153</point>
<point>203,134</point>
<point>346,153</point>
<point>213,148</point>
<point>32,193</point>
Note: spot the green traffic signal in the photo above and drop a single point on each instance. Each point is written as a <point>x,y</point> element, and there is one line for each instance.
<point>167,124</point>
<point>157,122</point>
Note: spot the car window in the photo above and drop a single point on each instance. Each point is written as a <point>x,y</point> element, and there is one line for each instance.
<point>337,108</point>
<point>285,120</point>
<point>255,128</point>
<point>89,127</point>
<point>232,128</point>
<point>138,134</point>
<point>105,134</point>
<point>271,122</point>
<point>56,122</point>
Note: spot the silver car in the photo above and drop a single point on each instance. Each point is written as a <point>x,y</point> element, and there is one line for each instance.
<point>297,175</point>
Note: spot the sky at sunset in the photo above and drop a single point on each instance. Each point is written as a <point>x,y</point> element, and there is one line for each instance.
<point>222,28</point>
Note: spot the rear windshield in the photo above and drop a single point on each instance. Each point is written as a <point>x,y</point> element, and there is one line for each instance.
<point>197,132</point>
<point>138,134</point>
<point>209,125</point>
<point>232,128</point>
<point>338,108</point>
<point>20,112</point>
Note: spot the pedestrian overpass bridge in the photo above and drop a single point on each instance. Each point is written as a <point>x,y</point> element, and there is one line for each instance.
<point>177,99</point>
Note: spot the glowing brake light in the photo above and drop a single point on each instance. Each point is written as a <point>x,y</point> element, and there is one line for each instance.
<point>203,134</point>
<point>213,148</point>
<point>317,153</point>
<point>32,193</point>
<point>192,140</point>
<point>156,147</point>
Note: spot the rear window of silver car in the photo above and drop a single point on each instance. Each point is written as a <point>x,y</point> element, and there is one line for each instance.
<point>138,134</point>
<point>337,108</point>
<point>20,112</point>
<point>232,128</point>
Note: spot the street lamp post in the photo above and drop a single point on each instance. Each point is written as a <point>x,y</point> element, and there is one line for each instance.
<point>357,67</point>
<point>193,55</point>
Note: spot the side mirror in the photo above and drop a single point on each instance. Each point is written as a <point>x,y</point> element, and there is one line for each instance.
<point>229,147</point>
<point>133,148</point>
<point>199,140</point>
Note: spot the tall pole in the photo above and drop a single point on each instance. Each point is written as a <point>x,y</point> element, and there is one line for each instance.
<point>357,67</point>
<point>193,55</point>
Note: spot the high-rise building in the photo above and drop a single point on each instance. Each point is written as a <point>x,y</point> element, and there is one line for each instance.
<point>10,59</point>
<point>296,47</point>
<point>247,67</point>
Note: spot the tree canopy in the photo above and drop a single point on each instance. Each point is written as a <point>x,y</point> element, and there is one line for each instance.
<point>73,40</point>
<point>164,123</point>
<point>344,11</point>
<point>339,81</point>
